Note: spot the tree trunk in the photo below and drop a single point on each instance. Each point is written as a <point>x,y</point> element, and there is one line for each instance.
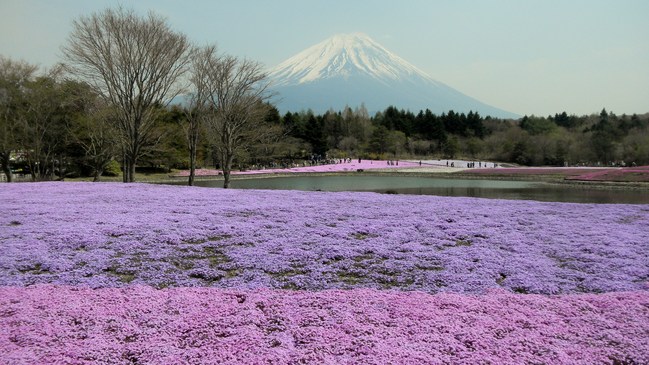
<point>227,168</point>
<point>97,175</point>
<point>131,170</point>
<point>5,167</point>
<point>192,173</point>
<point>61,168</point>
<point>125,168</point>
<point>192,164</point>
<point>33,171</point>
<point>4,162</point>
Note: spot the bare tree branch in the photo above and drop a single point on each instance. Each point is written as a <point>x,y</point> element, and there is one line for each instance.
<point>135,63</point>
<point>232,95</point>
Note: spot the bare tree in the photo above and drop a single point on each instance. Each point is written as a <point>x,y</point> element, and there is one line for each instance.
<point>198,107</point>
<point>134,62</point>
<point>14,76</point>
<point>192,128</point>
<point>235,93</point>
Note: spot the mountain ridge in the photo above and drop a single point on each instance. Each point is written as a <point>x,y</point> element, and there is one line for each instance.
<point>352,69</point>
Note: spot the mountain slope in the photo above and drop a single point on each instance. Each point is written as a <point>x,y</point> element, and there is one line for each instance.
<point>351,69</point>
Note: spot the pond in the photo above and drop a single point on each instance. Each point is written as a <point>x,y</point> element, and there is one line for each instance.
<point>497,189</point>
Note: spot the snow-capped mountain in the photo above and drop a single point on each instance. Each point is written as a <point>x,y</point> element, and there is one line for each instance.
<point>343,55</point>
<point>350,69</point>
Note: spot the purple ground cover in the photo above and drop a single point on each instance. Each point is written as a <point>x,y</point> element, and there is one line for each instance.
<point>112,235</point>
<point>455,268</point>
<point>141,325</point>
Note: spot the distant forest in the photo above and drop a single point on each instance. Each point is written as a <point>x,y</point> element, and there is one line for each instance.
<point>54,127</point>
<point>61,135</point>
<point>555,140</point>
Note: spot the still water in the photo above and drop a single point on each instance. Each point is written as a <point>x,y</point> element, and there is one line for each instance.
<point>497,189</point>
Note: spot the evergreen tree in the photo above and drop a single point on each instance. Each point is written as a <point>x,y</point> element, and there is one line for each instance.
<point>474,123</point>
<point>380,140</point>
<point>314,134</point>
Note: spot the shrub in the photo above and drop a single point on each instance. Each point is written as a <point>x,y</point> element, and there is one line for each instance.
<point>112,169</point>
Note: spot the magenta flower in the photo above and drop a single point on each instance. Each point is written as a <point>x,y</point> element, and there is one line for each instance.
<point>452,272</point>
<point>48,324</point>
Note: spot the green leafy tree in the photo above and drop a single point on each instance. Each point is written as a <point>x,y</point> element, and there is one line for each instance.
<point>451,147</point>
<point>14,78</point>
<point>520,154</point>
<point>91,129</point>
<point>97,138</point>
<point>474,147</point>
<point>535,125</point>
<point>44,130</point>
<point>604,137</point>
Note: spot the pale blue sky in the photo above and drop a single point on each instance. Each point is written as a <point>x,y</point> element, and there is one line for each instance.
<point>526,56</point>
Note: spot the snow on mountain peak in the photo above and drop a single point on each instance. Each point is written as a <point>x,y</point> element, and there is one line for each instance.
<point>344,55</point>
<point>352,69</point>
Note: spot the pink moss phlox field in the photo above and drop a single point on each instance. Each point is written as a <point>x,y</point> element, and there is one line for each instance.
<point>628,174</point>
<point>335,167</point>
<point>631,174</point>
<point>561,171</point>
<point>48,324</point>
<point>113,235</point>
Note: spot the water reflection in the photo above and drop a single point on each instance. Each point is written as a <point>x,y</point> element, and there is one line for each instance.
<point>498,189</point>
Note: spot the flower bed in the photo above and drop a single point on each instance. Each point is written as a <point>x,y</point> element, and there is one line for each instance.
<point>135,273</point>
<point>104,235</point>
<point>620,174</point>
<point>625,174</point>
<point>141,325</point>
<point>534,171</point>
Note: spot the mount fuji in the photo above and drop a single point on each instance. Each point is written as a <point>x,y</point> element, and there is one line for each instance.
<point>352,69</point>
